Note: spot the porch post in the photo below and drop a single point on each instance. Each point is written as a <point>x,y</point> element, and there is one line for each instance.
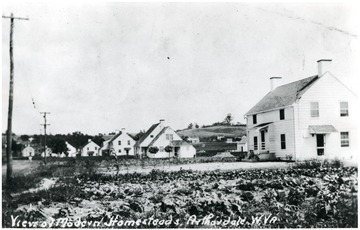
<point>258,141</point>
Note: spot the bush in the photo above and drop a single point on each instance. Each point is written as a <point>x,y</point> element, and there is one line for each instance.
<point>308,164</point>
<point>314,164</point>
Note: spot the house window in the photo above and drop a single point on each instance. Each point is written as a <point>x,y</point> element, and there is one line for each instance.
<point>314,107</point>
<point>169,137</point>
<point>161,148</point>
<point>344,109</point>
<point>119,150</point>
<point>255,143</point>
<point>282,114</point>
<point>128,142</point>
<point>88,148</point>
<point>254,119</point>
<point>344,137</point>
<point>283,141</point>
<point>95,148</point>
<point>119,142</point>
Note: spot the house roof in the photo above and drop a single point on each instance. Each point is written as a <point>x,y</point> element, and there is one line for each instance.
<point>243,140</point>
<point>215,146</point>
<point>224,155</point>
<point>115,136</point>
<point>107,137</point>
<point>283,96</point>
<point>179,143</point>
<point>157,136</point>
<point>83,146</point>
<point>148,132</point>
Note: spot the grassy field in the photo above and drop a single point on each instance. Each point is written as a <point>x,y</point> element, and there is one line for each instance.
<point>227,131</point>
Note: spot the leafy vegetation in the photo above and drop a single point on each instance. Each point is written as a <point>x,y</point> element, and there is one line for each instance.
<point>301,196</point>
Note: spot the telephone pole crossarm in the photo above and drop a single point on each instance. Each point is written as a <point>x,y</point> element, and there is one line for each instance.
<point>18,18</point>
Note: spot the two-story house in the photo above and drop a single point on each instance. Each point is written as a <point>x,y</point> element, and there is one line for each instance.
<point>160,136</point>
<point>122,144</point>
<point>90,149</point>
<point>310,118</point>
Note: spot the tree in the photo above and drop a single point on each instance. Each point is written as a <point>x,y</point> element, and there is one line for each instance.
<point>16,147</point>
<point>196,125</point>
<point>168,149</point>
<point>153,149</point>
<point>190,126</point>
<point>57,145</point>
<point>24,137</point>
<point>98,140</point>
<point>139,135</point>
<point>228,119</point>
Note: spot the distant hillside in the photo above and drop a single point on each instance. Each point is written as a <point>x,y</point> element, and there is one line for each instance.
<point>213,131</point>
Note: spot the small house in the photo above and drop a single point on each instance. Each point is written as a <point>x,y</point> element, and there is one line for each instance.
<point>28,151</point>
<point>90,149</point>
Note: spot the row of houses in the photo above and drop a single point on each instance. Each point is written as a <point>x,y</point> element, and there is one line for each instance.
<point>152,144</point>
<point>315,117</point>
<point>159,141</point>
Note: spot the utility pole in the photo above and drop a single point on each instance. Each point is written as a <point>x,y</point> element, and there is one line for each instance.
<point>45,124</point>
<point>11,98</point>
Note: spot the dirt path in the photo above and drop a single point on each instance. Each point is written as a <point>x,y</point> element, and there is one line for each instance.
<point>203,167</point>
<point>21,166</point>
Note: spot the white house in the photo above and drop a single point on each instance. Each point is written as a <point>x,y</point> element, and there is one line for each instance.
<point>122,144</point>
<point>48,152</point>
<point>242,144</point>
<point>90,149</point>
<point>105,148</point>
<point>71,150</point>
<point>193,140</point>
<point>161,136</point>
<point>314,117</point>
<point>28,151</point>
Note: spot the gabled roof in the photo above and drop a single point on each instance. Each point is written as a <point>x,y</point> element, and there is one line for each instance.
<point>117,135</point>
<point>83,146</point>
<point>283,96</point>
<point>243,140</point>
<point>157,136</point>
<point>107,137</point>
<point>179,143</point>
<point>114,137</point>
<point>148,132</point>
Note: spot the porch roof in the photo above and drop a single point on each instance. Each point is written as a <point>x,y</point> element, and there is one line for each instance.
<point>321,129</point>
<point>262,125</point>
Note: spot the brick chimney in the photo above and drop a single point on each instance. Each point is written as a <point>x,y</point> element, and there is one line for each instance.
<point>323,66</point>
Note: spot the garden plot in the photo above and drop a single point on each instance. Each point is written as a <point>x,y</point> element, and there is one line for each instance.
<point>265,198</point>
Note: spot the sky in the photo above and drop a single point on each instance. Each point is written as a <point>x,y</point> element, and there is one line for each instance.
<point>101,66</point>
